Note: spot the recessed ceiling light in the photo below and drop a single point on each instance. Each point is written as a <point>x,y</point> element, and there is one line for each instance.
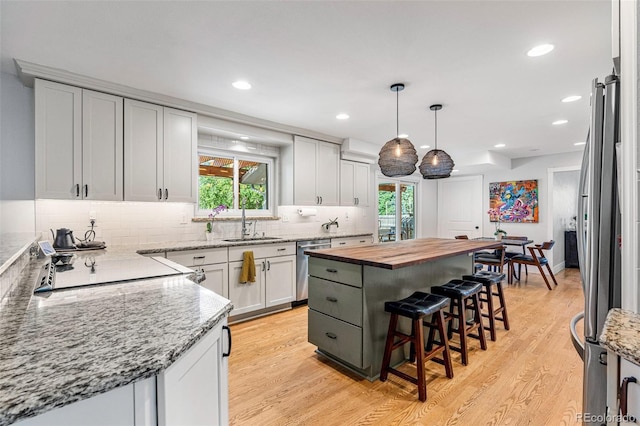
<point>403,136</point>
<point>244,138</point>
<point>242,85</point>
<point>424,146</point>
<point>499,145</point>
<point>580,143</point>
<point>540,50</point>
<point>572,98</point>
<point>558,122</point>
<point>342,116</point>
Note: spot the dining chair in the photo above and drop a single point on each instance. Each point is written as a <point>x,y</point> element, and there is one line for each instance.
<point>536,258</point>
<point>475,253</point>
<point>510,254</point>
<point>495,260</point>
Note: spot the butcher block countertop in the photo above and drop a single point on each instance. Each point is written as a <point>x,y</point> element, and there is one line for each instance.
<point>403,253</point>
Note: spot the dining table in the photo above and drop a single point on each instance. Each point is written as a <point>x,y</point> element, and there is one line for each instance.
<point>511,242</point>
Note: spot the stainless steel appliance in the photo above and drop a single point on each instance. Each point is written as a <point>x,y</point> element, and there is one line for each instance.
<point>597,237</point>
<point>302,266</point>
<point>90,270</point>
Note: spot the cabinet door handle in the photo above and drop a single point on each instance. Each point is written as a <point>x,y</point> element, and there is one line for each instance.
<point>77,189</point>
<point>263,266</point>
<point>320,199</point>
<point>623,394</point>
<point>166,194</point>
<point>159,193</point>
<point>331,335</point>
<point>224,327</point>
<point>331,299</point>
<point>86,190</point>
<point>333,271</point>
<point>268,265</point>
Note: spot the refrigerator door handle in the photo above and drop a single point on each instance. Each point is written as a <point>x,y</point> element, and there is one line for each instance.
<point>575,339</point>
<point>583,197</point>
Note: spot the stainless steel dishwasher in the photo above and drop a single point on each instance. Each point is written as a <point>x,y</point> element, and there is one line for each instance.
<point>302,267</point>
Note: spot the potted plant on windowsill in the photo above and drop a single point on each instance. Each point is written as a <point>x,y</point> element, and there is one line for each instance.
<point>495,215</point>
<point>215,212</point>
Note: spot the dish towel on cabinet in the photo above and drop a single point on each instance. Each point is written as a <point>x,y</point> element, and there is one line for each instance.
<point>248,272</point>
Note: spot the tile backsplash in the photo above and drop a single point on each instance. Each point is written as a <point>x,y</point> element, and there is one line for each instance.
<point>123,223</point>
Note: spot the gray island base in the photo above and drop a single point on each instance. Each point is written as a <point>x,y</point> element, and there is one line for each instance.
<point>348,288</point>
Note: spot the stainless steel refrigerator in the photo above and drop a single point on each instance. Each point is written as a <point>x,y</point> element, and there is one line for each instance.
<point>598,229</point>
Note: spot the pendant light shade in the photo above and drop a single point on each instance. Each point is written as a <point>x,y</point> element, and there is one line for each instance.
<point>436,164</point>
<point>397,157</point>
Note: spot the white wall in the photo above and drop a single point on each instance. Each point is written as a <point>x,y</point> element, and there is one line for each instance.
<point>526,169</point>
<point>428,209</point>
<point>17,156</point>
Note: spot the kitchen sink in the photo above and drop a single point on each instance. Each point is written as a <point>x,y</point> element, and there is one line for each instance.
<point>235,240</point>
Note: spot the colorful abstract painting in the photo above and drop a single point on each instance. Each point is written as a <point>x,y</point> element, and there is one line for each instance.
<point>514,201</point>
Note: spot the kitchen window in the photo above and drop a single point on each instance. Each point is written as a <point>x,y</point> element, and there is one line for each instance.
<point>395,197</point>
<point>231,179</point>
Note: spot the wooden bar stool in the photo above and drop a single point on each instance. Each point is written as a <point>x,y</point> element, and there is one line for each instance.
<point>416,307</point>
<point>463,295</point>
<point>491,280</point>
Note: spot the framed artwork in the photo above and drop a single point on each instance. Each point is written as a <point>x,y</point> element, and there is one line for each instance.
<point>514,201</point>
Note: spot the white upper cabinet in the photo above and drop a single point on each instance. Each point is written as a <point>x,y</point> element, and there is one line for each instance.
<point>160,153</point>
<point>78,143</point>
<point>101,146</point>
<point>316,171</point>
<point>354,184</point>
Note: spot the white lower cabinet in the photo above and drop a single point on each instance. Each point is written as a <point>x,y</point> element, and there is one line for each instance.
<point>275,277</point>
<point>274,285</point>
<point>351,241</point>
<point>194,389</point>
<point>213,262</point>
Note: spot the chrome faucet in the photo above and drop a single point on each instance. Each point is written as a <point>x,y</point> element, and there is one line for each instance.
<point>245,231</point>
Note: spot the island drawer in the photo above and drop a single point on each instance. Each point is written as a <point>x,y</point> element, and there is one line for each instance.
<point>337,300</point>
<point>198,257</point>
<point>336,337</point>
<point>261,250</point>
<point>341,272</point>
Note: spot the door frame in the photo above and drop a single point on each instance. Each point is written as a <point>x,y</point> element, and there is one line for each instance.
<point>550,174</point>
<point>411,180</point>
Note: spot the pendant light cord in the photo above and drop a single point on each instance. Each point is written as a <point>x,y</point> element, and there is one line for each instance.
<point>397,113</point>
<point>436,129</point>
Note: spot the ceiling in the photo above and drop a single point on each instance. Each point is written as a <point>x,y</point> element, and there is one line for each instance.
<point>309,61</point>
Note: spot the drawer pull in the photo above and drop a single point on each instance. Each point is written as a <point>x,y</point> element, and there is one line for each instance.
<point>333,271</point>
<point>282,249</point>
<point>363,241</point>
<point>331,335</point>
<point>342,244</point>
<point>331,299</point>
<point>198,257</point>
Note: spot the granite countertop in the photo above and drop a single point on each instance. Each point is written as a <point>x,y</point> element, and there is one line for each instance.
<point>621,334</point>
<point>403,253</point>
<point>13,245</point>
<point>73,344</point>
<point>152,248</point>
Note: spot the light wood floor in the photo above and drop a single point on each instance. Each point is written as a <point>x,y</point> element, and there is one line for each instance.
<point>530,376</point>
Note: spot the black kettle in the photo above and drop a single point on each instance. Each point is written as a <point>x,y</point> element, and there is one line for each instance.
<point>63,239</point>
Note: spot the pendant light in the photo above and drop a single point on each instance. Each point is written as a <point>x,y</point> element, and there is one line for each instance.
<point>436,164</point>
<point>397,157</point>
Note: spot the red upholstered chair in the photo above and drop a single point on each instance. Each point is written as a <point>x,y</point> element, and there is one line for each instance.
<point>538,259</point>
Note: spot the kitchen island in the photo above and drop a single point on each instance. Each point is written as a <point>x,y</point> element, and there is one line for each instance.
<point>348,288</point>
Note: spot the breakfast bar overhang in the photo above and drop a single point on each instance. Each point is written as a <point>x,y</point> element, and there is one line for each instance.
<point>348,288</point>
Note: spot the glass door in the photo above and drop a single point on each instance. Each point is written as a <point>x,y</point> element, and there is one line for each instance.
<point>394,197</point>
